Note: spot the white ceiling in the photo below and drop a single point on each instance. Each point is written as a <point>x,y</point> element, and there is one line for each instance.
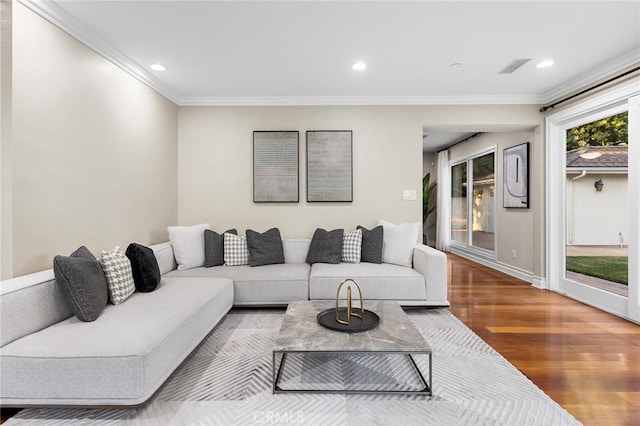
<point>278,53</point>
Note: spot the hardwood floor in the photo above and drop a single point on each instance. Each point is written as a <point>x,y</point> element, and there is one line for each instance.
<point>588,361</point>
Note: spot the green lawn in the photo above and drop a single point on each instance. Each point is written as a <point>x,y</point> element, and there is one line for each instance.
<point>611,268</point>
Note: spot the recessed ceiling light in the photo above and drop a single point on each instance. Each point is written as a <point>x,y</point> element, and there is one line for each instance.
<point>158,67</point>
<point>544,64</point>
<point>359,66</point>
<point>455,65</point>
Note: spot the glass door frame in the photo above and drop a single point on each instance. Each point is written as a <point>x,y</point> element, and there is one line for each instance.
<point>602,105</point>
<point>468,246</point>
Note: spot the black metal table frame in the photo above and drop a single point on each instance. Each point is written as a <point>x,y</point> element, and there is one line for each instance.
<point>428,387</point>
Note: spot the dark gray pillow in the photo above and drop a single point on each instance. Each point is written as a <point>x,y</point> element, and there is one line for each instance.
<point>214,247</point>
<point>265,248</point>
<point>82,283</point>
<point>326,246</point>
<point>372,244</point>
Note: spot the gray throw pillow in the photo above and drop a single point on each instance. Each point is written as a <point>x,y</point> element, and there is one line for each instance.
<point>326,246</point>
<point>82,283</point>
<point>214,247</point>
<point>372,244</point>
<point>265,248</point>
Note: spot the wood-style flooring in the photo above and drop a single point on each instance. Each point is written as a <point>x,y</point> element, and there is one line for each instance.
<point>586,360</point>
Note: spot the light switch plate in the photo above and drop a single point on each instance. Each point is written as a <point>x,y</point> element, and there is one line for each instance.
<point>409,195</point>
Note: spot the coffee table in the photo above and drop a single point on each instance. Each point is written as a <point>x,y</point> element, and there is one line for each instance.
<point>300,333</point>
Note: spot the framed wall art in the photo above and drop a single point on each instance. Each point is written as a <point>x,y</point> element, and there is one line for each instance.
<point>516,177</point>
<point>329,166</point>
<point>275,167</point>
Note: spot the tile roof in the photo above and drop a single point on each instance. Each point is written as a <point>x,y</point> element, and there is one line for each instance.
<point>598,156</point>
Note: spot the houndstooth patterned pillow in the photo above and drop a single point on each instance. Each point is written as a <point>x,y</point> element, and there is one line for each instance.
<point>352,247</point>
<point>236,252</point>
<point>117,270</point>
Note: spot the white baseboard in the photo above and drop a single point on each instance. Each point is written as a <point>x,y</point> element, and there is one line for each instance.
<point>540,283</point>
<point>518,273</point>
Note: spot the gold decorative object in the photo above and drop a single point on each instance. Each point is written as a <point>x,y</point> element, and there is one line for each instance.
<point>354,322</point>
<point>350,312</point>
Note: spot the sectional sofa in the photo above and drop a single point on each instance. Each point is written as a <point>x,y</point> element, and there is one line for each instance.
<point>49,357</point>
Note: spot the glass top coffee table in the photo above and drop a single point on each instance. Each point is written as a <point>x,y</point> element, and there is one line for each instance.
<point>300,334</point>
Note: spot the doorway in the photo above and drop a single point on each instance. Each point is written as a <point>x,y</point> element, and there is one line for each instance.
<point>592,208</point>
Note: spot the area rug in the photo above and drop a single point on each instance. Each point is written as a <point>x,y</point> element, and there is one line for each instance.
<point>227,381</point>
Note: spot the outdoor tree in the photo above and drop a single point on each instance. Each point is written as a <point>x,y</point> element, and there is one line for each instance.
<point>608,131</point>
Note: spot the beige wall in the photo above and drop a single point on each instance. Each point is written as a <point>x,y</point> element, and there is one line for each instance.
<point>515,228</point>
<point>216,161</point>
<point>6,163</point>
<point>94,158</point>
<point>215,168</point>
<point>429,165</point>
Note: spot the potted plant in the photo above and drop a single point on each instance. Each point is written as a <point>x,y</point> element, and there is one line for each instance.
<point>427,206</point>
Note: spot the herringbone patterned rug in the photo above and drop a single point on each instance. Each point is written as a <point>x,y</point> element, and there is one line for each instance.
<point>227,381</point>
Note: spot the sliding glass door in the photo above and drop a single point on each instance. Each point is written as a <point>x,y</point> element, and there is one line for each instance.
<point>593,236</point>
<point>473,204</point>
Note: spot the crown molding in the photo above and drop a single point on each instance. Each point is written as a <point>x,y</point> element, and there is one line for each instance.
<point>619,64</point>
<point>67,23</point>
<point>358,100</point>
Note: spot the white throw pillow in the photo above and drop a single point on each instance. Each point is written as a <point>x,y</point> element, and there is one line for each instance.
<point>398,242</point>
<point>188,245</point>
<point>117,271</point>
<point>236,252</point>
<point>352,247</point>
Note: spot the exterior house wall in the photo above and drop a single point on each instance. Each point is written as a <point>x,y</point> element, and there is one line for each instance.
<point>597,218</point>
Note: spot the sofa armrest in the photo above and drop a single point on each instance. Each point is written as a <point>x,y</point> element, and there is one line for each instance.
<point>433,265</point>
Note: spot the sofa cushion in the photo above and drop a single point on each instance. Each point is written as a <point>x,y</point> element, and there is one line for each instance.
<point>399,242</point>
<point>144,266</point>
<point>121,358</point>
<point>30,303</point>
<point>188,244</point>
<point>265,248</point>
<point>377,281</point>
<point>352,247</point>
<point>326,246</point>
<point>214,247</point>
<point>268,284</point>
<point>117,270</point>
<point>82,282</point>
<point>372,244</point>
<point>235,250</point>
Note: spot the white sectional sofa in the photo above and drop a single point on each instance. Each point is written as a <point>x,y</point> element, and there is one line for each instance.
<point>49,357</point>
<point>423,285</point>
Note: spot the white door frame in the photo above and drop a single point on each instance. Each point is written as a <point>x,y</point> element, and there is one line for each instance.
<point>598,106</point>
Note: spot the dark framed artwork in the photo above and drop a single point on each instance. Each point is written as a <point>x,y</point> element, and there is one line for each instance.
<point>276,161</point>
<point>516,177</point>
<point>329,166</point>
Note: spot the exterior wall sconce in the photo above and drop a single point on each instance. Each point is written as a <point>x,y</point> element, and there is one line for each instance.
<point>598,185</point>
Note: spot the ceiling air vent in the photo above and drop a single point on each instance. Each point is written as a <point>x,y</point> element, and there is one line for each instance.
<point>517,63</point>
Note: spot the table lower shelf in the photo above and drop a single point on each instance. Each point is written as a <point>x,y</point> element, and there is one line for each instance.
<point>425,384</point>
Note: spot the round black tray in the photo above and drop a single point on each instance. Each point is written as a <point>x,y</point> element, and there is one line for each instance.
<point>327,318</point>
